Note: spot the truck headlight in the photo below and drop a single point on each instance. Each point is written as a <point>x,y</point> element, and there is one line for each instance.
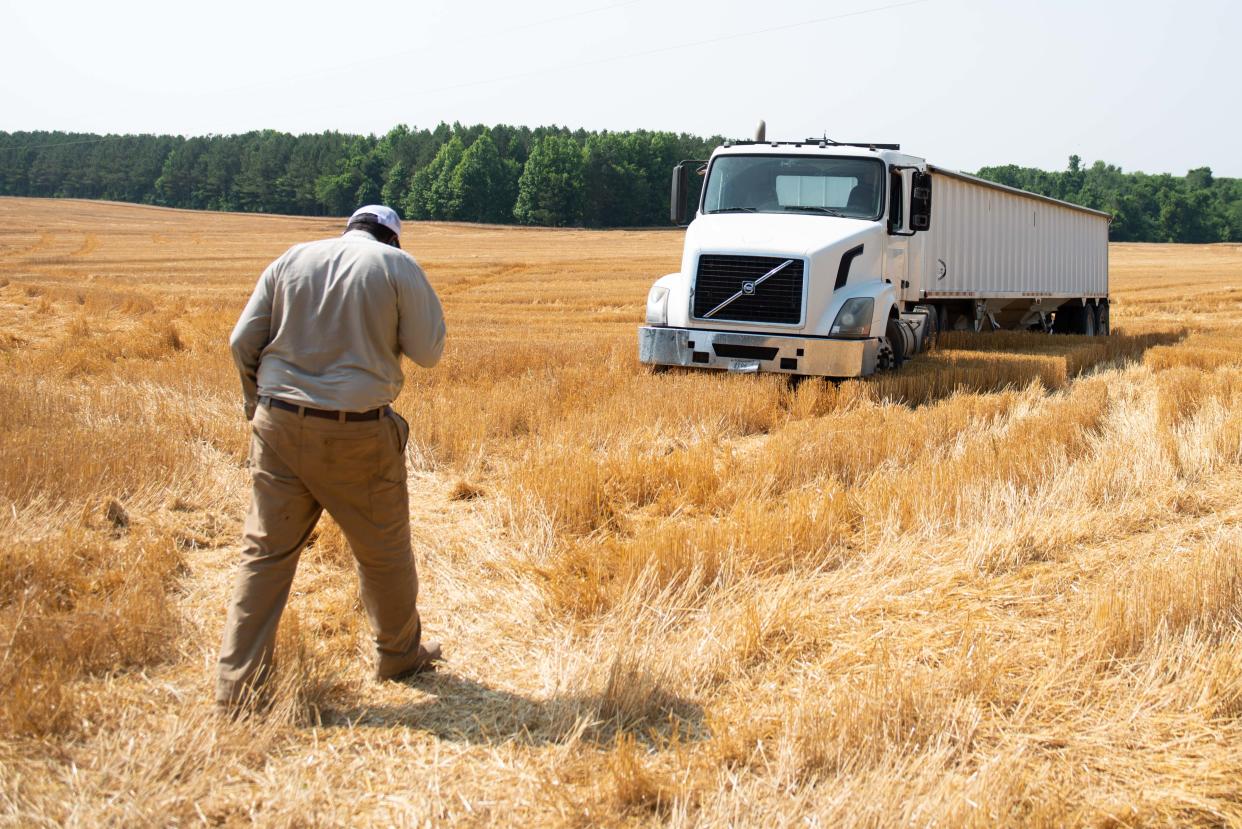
<point>854,318</point>
<point>657,306</point>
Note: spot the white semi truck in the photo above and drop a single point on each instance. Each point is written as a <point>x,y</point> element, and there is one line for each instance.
<point>823,258</point>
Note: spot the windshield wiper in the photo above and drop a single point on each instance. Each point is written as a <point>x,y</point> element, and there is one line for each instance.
<point>735,210</point>
<point>814,208</point>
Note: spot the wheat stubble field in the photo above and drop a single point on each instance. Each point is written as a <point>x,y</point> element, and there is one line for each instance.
<point>999,588</point>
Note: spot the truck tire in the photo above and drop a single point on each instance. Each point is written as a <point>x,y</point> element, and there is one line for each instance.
<point>1088,321</point>
<point>933,330</point>
<point>1101,319</point>
<point>930,327</point>
<point>1071,319</point>
<point>896,342</point>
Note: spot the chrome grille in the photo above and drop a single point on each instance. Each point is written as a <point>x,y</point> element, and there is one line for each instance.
<point>777,299</point>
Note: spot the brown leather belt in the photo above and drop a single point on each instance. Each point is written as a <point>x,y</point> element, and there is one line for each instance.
<point>374,414</point>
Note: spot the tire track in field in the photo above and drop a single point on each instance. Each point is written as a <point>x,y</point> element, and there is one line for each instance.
<point>468,283</point>
<point>45,241</point>
<point>90,243</point>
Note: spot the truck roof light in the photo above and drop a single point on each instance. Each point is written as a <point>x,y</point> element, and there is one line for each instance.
<point>829,142</point>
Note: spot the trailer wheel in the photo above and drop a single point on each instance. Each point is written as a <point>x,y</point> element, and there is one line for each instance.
<point>1088,320</point>
<point>931,327</point>
<point>933,330</point>
<point>1101,319</point>
<point>1071,319</point>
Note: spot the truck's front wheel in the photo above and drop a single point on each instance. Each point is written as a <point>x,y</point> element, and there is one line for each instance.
<point>892,347</point>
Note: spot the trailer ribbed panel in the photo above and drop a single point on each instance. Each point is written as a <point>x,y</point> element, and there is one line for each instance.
<point>995,242</point>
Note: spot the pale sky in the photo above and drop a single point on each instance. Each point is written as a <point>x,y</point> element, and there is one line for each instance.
<point>1147,85</point>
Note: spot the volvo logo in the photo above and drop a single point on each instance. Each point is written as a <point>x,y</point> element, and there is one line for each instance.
<point>748,288</point>
<point>944,269</point>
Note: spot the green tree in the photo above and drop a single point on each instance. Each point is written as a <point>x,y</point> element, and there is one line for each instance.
<point>1188,217</point>
<point>479,187</point>
<point>396,185</point>
<point>1072,180</point>
<point>175,186</point>
<point>615,185</point>
<point>354,179</point>
<point>335,193</point>
<point>430,195</point>
<point>264,157</point>
<point>550,189</point>
<point>1200,178</point>
<point>214,182</point>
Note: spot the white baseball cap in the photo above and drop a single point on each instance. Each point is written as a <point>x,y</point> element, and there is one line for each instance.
<point>378,214</point>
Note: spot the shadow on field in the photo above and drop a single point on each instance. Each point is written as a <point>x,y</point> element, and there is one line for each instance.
<point>992,362</point>
<point>462,710</point>
<point>983,363</point>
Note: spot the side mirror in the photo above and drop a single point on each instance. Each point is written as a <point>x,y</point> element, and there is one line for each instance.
<point>677,195</point>
<point>897,205</point>
<point>920,201</point>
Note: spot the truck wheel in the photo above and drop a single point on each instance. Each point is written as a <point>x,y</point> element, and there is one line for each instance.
<point>1069,319</point>
<point>931,327</point>
<point>896,342</point>
<point>1088,320</point>
<point>1101,319</point>
<point>933,330</point>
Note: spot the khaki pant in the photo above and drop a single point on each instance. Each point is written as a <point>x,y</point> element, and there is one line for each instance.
<point>299,467</point>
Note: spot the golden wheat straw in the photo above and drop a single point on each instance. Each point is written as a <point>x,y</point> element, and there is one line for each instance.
<point>998,588</point>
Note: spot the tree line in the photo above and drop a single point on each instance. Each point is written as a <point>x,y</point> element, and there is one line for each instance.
<point>543,176</point>
<point>550,176</point>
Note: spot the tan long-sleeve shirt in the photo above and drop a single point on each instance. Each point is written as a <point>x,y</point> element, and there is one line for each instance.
<point>328,322</point>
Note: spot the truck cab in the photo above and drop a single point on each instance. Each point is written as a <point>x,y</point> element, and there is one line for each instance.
<point>800,258</point>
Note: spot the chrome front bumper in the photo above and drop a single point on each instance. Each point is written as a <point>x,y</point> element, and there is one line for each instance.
<point>738,351</point>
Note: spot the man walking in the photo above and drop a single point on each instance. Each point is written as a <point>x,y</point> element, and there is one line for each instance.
<point>318,348</point>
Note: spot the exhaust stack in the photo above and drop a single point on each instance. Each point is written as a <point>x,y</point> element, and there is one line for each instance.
<point>761,132</point>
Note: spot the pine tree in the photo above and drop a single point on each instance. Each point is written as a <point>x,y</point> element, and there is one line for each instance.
<point>478,184</point>
<point>550,189</point>
<point>430,192</point>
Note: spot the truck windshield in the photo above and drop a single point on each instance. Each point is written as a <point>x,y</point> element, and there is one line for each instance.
<point>833,186</point>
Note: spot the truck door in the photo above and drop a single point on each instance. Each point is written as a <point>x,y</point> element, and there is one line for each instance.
<point>896,252</point>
